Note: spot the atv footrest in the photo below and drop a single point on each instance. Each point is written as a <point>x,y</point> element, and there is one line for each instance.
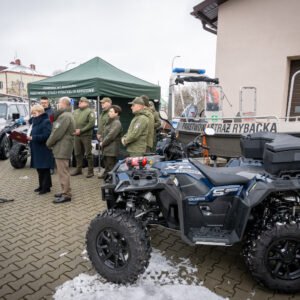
<point>212,236</point>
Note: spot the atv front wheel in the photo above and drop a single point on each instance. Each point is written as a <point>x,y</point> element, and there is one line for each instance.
<point>18,156</point>
<point>118,246</point>
<point>273,257</point>
<point>4,147</point>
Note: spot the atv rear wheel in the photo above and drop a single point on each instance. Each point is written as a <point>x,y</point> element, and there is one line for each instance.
<point>273,257</point>
<point>4,147</point>
<point>118,246</point>
<point>18,156</point>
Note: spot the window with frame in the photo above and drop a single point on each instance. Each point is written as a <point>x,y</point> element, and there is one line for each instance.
<point>12,109</point>
<point>295,103</point>
<point>22,110</point>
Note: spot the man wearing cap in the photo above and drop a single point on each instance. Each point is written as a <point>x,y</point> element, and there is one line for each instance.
<point>149,113</point>
<point>157,122</point>
<point>135,139</point>
<point>84,118</point>
<point>103,118</point>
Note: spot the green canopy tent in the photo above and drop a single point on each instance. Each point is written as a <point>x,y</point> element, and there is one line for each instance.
<point>93,78</point>
<point>96,79</point>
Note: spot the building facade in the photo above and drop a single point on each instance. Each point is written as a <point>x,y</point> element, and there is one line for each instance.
<point>258,45</point>
<point>15,77</point>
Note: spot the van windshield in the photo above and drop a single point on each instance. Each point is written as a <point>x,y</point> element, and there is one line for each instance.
<point>3,111</point>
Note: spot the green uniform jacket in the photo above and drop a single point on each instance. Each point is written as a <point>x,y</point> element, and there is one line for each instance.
<point>103,119</point>
<point>157,122</point>
<point>112,137</point>
<point>61,139</point>
<point>136,136</point>
<point>85,121</point>
<point>150,136</point>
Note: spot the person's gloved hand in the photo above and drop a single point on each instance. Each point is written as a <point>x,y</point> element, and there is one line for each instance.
<point>20,121</point>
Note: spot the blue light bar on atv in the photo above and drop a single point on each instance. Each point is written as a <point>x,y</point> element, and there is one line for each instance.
<point>184,70</point>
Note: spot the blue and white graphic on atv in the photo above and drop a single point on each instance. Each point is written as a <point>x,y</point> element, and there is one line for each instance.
<point>175,167</point>
<point>186,168</point>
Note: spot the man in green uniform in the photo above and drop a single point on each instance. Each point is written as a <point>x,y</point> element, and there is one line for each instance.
<point>135,139</point>
<point>61,143</point>
<point>157,123</point>
<point>84,122</point>
<point>112,139</point>
<point>150,116</point>
<point>103,119</point>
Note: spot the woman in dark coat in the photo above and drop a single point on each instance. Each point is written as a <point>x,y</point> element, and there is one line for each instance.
<point>111,141</point>
<point>41,156</point>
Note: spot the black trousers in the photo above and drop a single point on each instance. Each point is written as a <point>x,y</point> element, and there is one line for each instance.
<point>45,181</point>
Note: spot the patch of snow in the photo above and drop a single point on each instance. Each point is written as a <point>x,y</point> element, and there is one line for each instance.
<point>163,280</point>
<point>84,255</point>
<point>63,254</point>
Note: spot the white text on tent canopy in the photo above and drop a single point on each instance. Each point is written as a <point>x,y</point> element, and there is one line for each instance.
<point>66,92</point>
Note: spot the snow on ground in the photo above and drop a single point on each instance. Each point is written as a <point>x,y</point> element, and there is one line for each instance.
<point>163,280</point>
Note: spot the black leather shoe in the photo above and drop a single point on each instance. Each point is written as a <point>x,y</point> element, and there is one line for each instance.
<point>58,195</point>
<point>42,192</point>
<point>62,199</point>
<point>37,190</point>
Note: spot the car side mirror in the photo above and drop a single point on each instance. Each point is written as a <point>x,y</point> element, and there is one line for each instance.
<point>15,116</point>
<point>163,115</point>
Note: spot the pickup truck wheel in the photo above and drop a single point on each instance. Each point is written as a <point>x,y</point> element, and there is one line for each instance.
<point>18,156</point>
<point>118,246</point>
<point>273,257</point>
<point>4,147</point>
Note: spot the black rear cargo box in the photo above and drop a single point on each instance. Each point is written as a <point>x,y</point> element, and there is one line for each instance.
<point>252,145</point>
<point>282,155</point>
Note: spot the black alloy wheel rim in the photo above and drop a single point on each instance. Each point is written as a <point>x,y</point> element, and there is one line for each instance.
<point>283,259</point>
<point>112,248</point>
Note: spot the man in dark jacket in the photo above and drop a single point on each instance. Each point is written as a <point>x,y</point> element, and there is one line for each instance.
<point>84,122</point>
<point>111,139</point>
<point>61,142</point>
<point>44,101</point>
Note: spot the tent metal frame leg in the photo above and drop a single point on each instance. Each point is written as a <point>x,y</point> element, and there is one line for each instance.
<point>99,152</point>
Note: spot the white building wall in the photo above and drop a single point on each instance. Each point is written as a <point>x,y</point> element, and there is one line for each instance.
<point>11,82</point>
<point>256,39</point>
<point>3,81</point>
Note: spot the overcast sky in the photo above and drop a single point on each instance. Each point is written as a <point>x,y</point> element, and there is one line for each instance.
<point>138,36</point>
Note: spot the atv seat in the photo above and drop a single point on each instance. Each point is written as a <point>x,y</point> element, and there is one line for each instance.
<point>227,175</point>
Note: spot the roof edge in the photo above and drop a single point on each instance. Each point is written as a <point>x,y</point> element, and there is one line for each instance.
<point>207,13</point>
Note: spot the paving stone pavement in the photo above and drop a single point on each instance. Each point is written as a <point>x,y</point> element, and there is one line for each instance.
<point>42,244</point>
